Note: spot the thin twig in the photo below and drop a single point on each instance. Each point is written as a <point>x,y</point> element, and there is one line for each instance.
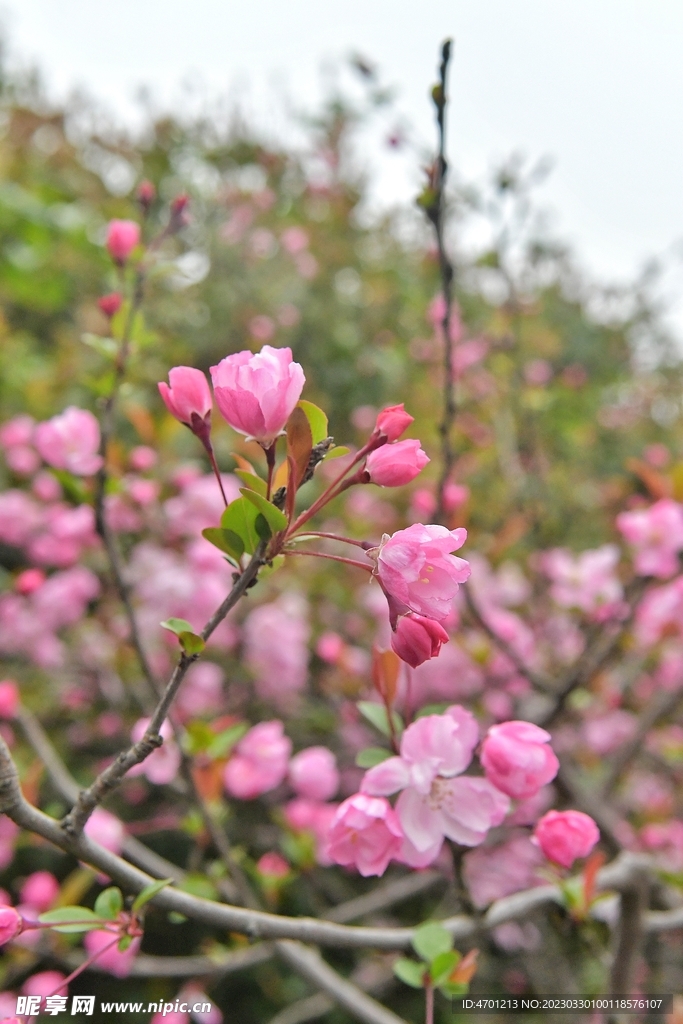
<point>666,704</point>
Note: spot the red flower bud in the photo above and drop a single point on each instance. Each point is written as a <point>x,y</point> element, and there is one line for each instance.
<point>392,421</point>
<point>417,639</point>
<point>110,304</point>
<point>146,194</point>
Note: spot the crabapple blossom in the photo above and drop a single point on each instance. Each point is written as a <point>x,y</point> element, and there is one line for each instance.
<point>70,441</point>
<point>106,829</point>
<point>392,422</point>
<point>11,924</point>
<point>9,698</point>
<point>311,816</point>
<point>394,465</point>
<point>565,835</point>
<point>313,773</point>
<point>259,762</point>
<point>417,639</point>
<point>45,983</point>
<point>366,833</point>
<point>586,581</point>
<point>189,399</point>
<point>656,533</point>
<point>40,890</point>
<point>161,766</point>
<point>491,872</point>
<point>110,304</point>
<point>122,237</point>
<point>276,648</point>
<point>256,394</point>
<point>517,759</point>
<point>418,571</point>
<point>111,960</point>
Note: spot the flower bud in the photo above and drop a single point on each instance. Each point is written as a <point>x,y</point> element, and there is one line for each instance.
<point>110,304</point>
<point>565,835</point>
<point>517,759</point>
<point>393,421</point>
<point>11,924</point>
<point>394,465</point>
<point>122,237</point>
<point>146,194</point>
<point>189,399</point>
<point>180,217</point>
<point>313,773</point>
<point>417,639</point>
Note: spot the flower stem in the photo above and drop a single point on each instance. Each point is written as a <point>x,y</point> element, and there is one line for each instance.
<point>216,470</point>
<point>86,963</point>
<point>333,536</point>
<point>333,558</point>
<point>429,1003</point>
<point>270,460</point>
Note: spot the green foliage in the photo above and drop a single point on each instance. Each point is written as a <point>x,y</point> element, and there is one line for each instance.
<point>376,714</point>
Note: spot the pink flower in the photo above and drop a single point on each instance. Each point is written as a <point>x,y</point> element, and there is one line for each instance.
<point>586,581</point>
<point>311,816</point>
<point>45,983</point>
<point>113,961</point>
<point>393,421</point>
<point>9,698</point>
<point>365,833</point>
<point>71,441</point>
<point>565,835</point>
<point>492,872</point>
<point>122,237</point>
<point>110,304</point>
<point>40,890</point>
<point>276,648</point>
<point>657,535</point>
<point>313,773</point>
<point>161,767</point>
<point>259,763</point>
<point>11,924</point>
<point>257,394</point>
<point>273,865</point>
<point>394,465</point>
<point>104,828</point>
<point>189,399</point>
<point>517,759</point>
<point>433,802</point>
<point>418,639</point>
<point>418,571</point>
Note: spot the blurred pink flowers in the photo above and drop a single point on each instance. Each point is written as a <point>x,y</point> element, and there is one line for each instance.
<point>313,773</point>
<point>257,394</point>
<point>259,763</point>
<point>656,533</point>
<point>70,441</point>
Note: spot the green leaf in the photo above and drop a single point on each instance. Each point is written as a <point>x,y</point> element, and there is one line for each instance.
<point>240,518</point>
<point>430,940</point>
<point>371,756</point>
<point>454,988</point>
<point>109,903</point>
<point>410,972</point>
<point>71,919</point>
<point>317,420</point>
<point>106,347</point>
<point>124,943</point>
<point>337,452</point>
<point>276,519</point>
<point>199,885</point>
<point>376,714</point>
<point>226,541</point>
<point>177,626</point>
<point>223,743</point>
<point>443,965</point>
<point>191,642</point>
<point>176,918</point>
<point>253,482</point>
<point>432,709</point>
<point>149,892</point>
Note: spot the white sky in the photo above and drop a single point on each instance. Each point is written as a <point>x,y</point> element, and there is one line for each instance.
<point>596,84</point>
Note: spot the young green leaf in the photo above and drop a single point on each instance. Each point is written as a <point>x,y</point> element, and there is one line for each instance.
<point>337,452</point>
<point>177,626</point>
<point>109,903</point>
<point>191,642</point>
<point>276,519</point>
<point>443,965</point>
<point>226,541</point>
<point>124,943</point>
<point>376,714</point>
<point>224,741</point>
<point>240,518</point>
<point>430,940</point>
<point>410,973</point>
<point>253,482</point>
<point>371,756</point>
<point>70,920</point>
<point>317,420</point>
<point>149,892</point>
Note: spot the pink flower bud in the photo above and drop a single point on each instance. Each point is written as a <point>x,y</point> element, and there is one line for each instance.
<point>70,441</point>
<point>40,890</point>
<point>180,217</point>
<point>110,304</point>
<point>11,923</point>
<point>313,773</point>
<point>112,959</point>
<point>122,237</point>
<point>189,399</point>
<point>392,421</point>
<point>517,759</point>
<point>29,581</point>
<point>257,394</point>
<point>146,194</point>
<point>394,465</point>
<point>365,832</point>
<point>106,829</point>
<point>272,865</point>
<point>417,639</point>
<point>45,983</point>
<point>9,698</point>
<point>418,571</point>
<point>565,835</point>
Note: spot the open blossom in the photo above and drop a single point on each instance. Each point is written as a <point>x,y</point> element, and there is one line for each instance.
<point>418,570</point>
<point>257,394</point>
<point>394,465</point>
<point>491,872</point>
<point>11,924</point>
<point>435,803</point>
<point>122,237</point>
<point>70,441</point>
<point>365,833</point>
<point>259,763</point>
<point>189,399</point>
<point>417,639</point>
<point>586,581</point>
<point>517,759</point>
<point>313,773</point>
<point>656,533</point>
<point>565,835</point>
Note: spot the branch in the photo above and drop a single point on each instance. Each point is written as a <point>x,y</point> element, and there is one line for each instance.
<point>630,935</point>
<point>667,704</point>
<point>538,682</point>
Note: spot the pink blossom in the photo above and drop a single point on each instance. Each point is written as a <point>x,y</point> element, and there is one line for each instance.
<point>294,240</point>
<point>189,399</point>
<point>20,517</point>
<point>161,767</point>
<point>517,759</point>
<point>104,828</point>
<point>605,733</point>
<point>9,698</point>
<point>17,431</point>
<point>565,835</point>
<point>45,983</point>
<point>29,580</point>
<point>71,441</point>
<point>110,304</point>
<point>417,639</point>
<point>276,648</point>
<point>311,816</point>
<point>142,458</point>
<point>451,676</point>
<point>46,487</point>
<point>418,571</point>
<point>394,465</point>
<point>491,872</point>
<point>537,372</point>
<point>8,834</point>
<point>262,328</point>
<point>330,647</point>
<point>122,237</point>
<point>313,773</point>
<point>433,802</point>
<point>202,690</point>
<point>113,960</point>
<point>22,460</point>
<point>273,865</point>
<point>257,394</point>
<point>11,924</point>
<point>365,833</point>
<point>586,581</point>
<point>40,890</point>
<point>393,421</point>
<point>656,533</point>
<point>259,763</point>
